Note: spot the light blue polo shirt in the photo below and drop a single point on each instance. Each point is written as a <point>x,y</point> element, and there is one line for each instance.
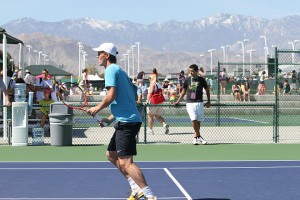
<point>124,106</point>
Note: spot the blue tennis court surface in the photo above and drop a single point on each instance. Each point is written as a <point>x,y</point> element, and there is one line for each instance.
<point>230,180</point>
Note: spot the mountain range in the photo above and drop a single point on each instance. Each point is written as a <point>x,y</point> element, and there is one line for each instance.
<point>168,46</point>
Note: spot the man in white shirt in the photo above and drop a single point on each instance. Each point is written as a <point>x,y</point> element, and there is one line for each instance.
<point>41,84</point>
<point>171,88</point>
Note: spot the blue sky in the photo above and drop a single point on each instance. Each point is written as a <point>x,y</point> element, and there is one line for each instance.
<point>143,11</point>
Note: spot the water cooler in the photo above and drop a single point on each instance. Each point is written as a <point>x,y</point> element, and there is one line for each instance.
<point>19,123</point>
<point>20,117</point>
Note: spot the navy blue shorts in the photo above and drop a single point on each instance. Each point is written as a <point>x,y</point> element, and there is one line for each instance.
<point>124,139</point>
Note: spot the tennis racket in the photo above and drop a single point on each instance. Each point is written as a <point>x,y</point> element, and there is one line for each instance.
<point>82,104</point>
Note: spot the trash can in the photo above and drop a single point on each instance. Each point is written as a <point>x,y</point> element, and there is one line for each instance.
<point>61,124</point>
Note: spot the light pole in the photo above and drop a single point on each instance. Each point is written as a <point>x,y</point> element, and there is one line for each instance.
<point>138,55</point>
<point>125,62</point>
<point>36,59</point>
<point>44,57</point>
<point>80,46</point>
<point>224,53</point>
<point>84,58</point>
<point>273,49</point>
<point>40,52</point>
<point>132,50</point>
<point>250,55</point>
<point>237,66</point>
<point>128,52</point>
<point>201,55</point>
<point>266,49</point>
<point>211,59</point>
<point>243,47</point>
<point>29,47</point>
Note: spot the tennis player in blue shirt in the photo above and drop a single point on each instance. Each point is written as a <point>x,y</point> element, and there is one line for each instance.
<point>120,98</point>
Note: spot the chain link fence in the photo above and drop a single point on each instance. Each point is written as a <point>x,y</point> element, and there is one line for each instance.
<point>287,95</point>
<point>282,85</point>
<point>269,118</point>
<point>224,123</point>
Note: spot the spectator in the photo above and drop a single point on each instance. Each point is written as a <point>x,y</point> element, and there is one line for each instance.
<point>262,85</point>
<point>211,83</point>
<point>140,76</point>
<point>91,89</point>
<point>246,91</point>
<point>63,90</point>
<point>165,83</point>
<point>83,84</point>
<point>222,78</point>
<point>287,88</point>
<point>44,82</point>
<point>11,85</point>
<point>294,81</point>
<point>171,88</point>
<point>173,96</point>
<point>142,91</point>
<point>45,106</point>
<point>181,79</point>
<point>154,111</point>
<point>4,92</point>
<point>29,79</point>
<point>202,73</point>
<point>280,81</point>
<point>54,91</point>
<point>236,91</point>
<point>15,74</point>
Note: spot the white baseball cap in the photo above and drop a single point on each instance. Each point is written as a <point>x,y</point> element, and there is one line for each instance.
<point>108,48</point>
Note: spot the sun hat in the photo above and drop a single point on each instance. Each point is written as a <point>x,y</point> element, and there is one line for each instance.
<point>27,71</point>
<point>108,48</point>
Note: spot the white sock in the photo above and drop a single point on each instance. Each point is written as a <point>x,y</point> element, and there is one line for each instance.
<point>147,192</point>
<point>132,184</point>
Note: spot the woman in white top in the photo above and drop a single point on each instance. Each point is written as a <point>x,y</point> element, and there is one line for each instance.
<point>262,85</point>
<point>154,111</point>
<point>84,82</point>
<point>54,92</point>
<point>223,80</point>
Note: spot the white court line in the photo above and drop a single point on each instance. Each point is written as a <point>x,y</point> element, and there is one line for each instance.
<point>249,120</point>
<point>179,168</point>
<point>178,184</point>
<point>102,198</point>
<point>257,167</point>
<point>66,168</point>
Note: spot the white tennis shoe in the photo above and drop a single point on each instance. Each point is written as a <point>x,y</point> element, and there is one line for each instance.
<point>201,140</point>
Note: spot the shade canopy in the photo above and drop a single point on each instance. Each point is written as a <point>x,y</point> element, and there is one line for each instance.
<point>53,71</point>
<point>10,39</point>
